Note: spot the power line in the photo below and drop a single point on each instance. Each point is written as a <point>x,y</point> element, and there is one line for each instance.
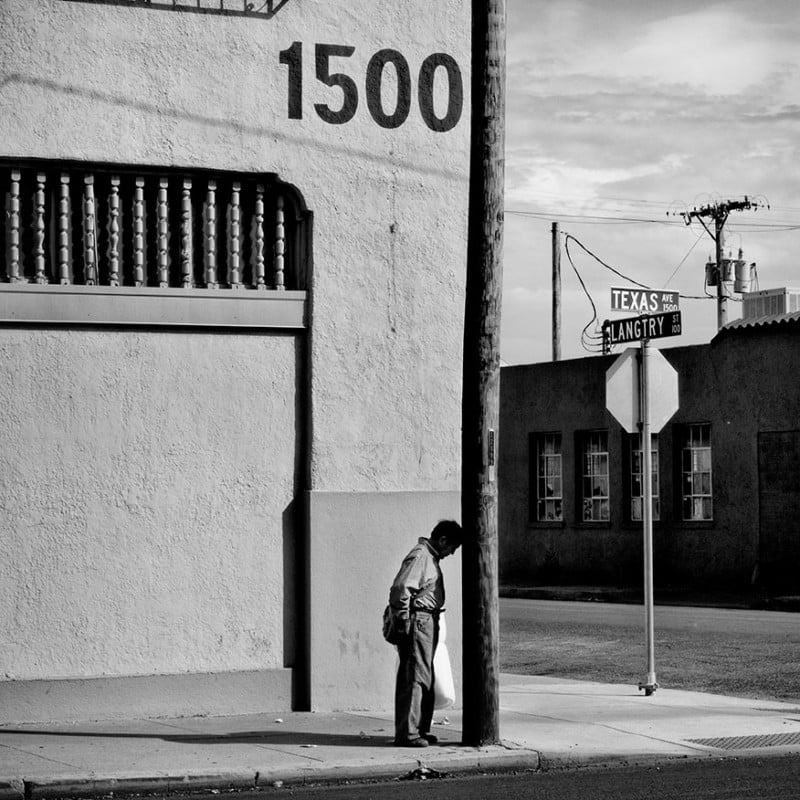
<point>589,342</point>
<point>626,277</point>
<point>589,218</point>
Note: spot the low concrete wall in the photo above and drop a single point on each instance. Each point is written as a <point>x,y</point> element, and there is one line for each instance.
<point>210,694</point>
<point>358,541</point>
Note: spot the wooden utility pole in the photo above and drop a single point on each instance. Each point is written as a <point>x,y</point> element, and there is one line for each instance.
<point>719,212</point>
<point>481,381</point>
<point>556,294</point>
<point>722,295</point>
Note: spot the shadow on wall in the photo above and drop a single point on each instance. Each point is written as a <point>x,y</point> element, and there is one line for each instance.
<point>262,9</point>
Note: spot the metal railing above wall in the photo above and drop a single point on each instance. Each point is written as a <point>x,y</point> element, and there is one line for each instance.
<point>99,225</point>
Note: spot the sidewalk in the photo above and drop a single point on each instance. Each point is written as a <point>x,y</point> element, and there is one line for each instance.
<point>546,723</point>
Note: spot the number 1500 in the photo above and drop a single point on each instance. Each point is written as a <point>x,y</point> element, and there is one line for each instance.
<point>293,58</point>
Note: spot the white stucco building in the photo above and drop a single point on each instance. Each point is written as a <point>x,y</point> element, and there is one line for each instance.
<point>231,317</point>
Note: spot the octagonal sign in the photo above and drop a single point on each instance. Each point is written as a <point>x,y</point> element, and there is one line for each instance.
<point>622,390</point>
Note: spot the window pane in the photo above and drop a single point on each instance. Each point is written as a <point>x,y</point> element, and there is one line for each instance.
<point>696,473</point>
<point>548,484</point>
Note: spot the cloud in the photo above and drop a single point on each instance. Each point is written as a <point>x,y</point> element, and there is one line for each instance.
<point>631,110</point>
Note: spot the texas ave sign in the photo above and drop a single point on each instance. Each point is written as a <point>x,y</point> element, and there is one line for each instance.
<point>645,301</point>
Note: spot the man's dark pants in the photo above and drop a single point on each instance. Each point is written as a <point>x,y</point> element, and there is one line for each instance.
<point>413,697</point>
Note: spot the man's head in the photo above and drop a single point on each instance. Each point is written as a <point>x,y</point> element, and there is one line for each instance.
<point>447,537</point>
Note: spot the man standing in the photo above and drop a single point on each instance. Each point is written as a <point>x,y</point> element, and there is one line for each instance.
<point>417,600</point>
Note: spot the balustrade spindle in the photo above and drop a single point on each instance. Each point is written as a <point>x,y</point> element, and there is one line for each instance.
<point>234,241</point>
<point>14,275</point>
<point>211,235</point>
<point>258,240</point>
<point>163,234</point>
<point>64,224</point>
<point>39,229</point>
<point>138,233</point>
<point>186,234</point>
<point>114,239</point>
<point>64,208</point>
<point>280,243</point>
<point>89,233</point>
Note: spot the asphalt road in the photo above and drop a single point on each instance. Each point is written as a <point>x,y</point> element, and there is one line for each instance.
<point>676,618</point>
<point>738,652</point>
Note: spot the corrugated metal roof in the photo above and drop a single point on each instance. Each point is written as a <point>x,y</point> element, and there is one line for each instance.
<point>758,322</point>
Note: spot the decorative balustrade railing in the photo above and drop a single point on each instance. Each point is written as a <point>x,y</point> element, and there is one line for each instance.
<point>95,225</point>
<point>266,9</point>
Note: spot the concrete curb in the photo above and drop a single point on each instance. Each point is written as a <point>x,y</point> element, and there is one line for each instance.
<point>500,758</point>
<point>496,759</point>
<point>98,786</point>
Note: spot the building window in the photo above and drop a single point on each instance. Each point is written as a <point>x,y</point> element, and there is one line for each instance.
<point>549,485</point>
<point>637,483</point>
<point>696,473</point>
<point>595,488</point>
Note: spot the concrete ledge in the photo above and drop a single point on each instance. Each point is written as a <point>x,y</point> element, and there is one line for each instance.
<point>81,699</point>
<point>52,304</point>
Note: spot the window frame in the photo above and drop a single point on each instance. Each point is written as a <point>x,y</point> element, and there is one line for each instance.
<point>587,478</point>
<point>538,478</point>
<point>689,478</point>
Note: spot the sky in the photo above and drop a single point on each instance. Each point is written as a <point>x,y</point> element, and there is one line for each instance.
<point>622,114</point>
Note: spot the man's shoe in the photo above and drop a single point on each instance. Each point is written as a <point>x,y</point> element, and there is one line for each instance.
<point>418,742</point>
<point>430,738</point>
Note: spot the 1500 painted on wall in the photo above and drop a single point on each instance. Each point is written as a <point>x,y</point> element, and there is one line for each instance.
<point>373,80</point>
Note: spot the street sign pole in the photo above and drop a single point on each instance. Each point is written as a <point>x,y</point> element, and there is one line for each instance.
<point>649,684</point>
<point>657,384</point>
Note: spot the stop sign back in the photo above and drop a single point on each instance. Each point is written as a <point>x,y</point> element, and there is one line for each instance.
<point>622,390</point>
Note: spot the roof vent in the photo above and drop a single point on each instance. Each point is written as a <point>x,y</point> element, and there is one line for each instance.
<point>770,302</point>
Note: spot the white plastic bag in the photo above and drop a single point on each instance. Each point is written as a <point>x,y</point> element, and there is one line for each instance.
<point>443,687</point>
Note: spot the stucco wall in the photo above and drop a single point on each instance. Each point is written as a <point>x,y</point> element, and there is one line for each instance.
<point>148,86</point>
<point>142,500</point>
<point>137,84</point>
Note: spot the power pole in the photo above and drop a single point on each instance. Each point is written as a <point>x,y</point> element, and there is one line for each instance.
<point>556,294</point>
<point>481,381</point>
<point>719,213</point>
